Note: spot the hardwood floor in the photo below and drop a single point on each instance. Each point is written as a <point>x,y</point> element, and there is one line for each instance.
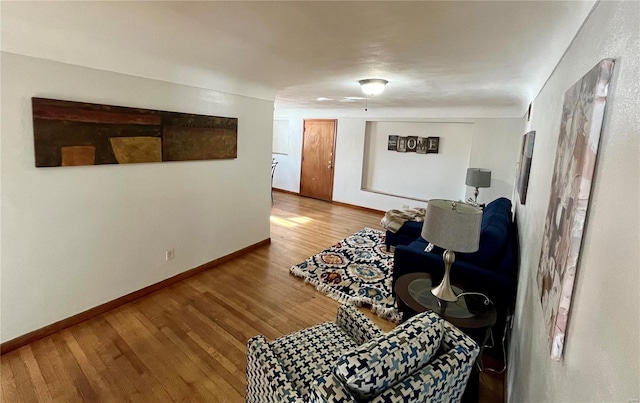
<point>187,342</point>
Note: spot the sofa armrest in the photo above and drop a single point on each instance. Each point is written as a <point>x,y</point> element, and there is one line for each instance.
<point>455,339</point>
<point>409,232</point>
<point>266,380</point>
<point>444,378</point>
<point>356,324</point>
<point>329,389</point>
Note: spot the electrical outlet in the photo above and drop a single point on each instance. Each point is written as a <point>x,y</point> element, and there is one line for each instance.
<point>170,254</point>
<point>405,206</point>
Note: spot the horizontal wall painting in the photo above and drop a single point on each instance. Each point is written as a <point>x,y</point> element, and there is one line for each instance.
<point>419,145</point>
<point>70,133</point>
<point>580,126</point>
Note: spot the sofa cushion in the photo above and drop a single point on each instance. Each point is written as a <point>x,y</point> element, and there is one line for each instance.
<point>494,234</point>
<point>376,365</point>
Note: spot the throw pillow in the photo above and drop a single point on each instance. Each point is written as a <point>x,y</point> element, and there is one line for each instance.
<point>376,365</point>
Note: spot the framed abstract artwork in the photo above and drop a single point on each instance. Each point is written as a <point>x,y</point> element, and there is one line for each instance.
<point>580,126</point>
<point>70,133</point>
<point>526,156</point>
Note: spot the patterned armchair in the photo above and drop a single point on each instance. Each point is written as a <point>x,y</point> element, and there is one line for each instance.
<point>425,359</point>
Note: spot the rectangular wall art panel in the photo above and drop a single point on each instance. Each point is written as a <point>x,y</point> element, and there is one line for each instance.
<point>580,127</point>
<point>526,156</point>
<point>73,133</point>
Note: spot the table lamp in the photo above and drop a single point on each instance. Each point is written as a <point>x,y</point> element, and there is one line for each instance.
<point>455,227</point>
<point>478,178</point>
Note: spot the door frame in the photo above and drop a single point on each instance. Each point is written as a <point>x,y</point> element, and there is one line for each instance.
<point>333,153</point>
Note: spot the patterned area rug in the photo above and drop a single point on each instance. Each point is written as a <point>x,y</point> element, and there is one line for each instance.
<point>356,270</point>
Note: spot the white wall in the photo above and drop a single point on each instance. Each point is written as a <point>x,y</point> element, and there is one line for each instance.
<point>419,176</point>
<point>496,145</point>
<point>76,237</point>
<point>601,360</point>
<point>493,143</point>
<point>284,148</point>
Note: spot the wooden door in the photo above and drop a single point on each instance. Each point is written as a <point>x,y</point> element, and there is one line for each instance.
<point>318,145</point>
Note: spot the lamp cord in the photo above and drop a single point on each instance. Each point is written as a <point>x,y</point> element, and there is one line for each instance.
<point>504,349</point>
<point>486,301</point>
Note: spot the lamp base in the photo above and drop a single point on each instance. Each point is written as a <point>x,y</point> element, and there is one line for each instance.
<point>444,291</point>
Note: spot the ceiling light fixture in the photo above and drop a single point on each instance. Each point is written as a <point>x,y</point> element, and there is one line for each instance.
<point>373,86</point>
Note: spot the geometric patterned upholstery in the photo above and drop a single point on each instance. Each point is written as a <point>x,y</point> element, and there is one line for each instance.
<point>444,378</point>
<point>309,353</point>
<point>357,325</point>
<point>300,367</point>
<point>374,366</point>
<point>266,380</point>
<point>284,369</point>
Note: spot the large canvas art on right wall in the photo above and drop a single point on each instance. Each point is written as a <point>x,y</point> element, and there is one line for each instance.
<point>580,127</point>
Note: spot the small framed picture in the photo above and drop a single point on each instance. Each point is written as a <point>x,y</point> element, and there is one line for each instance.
<point>393,143</point>
<point>421,147</point>
<point>526,156</point>
<point>402,145</point>
<point>412,143</point>
<point>433,143</point>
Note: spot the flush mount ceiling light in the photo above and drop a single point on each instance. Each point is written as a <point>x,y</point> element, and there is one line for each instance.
<point>373,86</point>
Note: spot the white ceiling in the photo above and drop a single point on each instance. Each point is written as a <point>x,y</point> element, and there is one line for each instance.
<point>450,54</point>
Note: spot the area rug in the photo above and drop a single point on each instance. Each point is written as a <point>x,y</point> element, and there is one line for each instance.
<point>356,270</point>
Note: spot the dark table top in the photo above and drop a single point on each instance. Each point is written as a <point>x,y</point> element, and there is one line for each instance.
<point>468,312</point>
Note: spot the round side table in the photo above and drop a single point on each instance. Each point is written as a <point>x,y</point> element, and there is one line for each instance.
<point>469,314</point>
<point>413,292</point>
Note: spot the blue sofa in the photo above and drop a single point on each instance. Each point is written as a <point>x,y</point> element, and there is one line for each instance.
<point>409,232</point>
<point>492,270</point>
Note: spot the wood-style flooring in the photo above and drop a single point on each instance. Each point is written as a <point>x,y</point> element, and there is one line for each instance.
<point>187,342</point>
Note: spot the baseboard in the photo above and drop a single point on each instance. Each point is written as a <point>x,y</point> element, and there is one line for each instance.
<point>38,334</point>
<point>359,207</point>
<point>394,195</point>
<point>335,202</point>
<point>286,191</point>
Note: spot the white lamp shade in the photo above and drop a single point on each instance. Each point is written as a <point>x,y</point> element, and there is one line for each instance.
<point>373,86</point>
<point>478,177</point>
<point>452,225</point>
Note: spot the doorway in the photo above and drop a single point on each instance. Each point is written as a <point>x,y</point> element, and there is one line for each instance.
<point>318,149</point>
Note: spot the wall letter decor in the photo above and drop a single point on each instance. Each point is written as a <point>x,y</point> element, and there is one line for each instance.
<point>393,143</point>
<point>419,145</point>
